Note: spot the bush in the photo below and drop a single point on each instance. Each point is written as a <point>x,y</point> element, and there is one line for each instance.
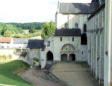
<point>35,59</point>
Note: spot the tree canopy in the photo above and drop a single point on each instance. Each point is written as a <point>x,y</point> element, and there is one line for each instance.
<point>48,29</point>
<point>9,30</point>
<point>36,25</point>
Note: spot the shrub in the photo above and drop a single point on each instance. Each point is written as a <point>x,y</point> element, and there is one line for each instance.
<point>35,59</point>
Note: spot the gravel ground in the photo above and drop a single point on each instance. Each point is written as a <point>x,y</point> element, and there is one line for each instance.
<point>75,74</point>
<point>36,78</point>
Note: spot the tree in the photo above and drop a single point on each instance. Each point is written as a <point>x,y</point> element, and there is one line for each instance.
<point>7,33</point>
<point>48,29</point>
<point>32,29</point>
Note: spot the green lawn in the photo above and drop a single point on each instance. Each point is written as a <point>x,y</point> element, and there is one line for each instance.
<point>7,77</point>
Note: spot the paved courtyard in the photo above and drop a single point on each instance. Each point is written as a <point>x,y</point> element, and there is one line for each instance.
<point>75,74</point>
<point>38,78</point>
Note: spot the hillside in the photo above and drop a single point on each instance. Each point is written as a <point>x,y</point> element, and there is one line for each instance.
<point>8,75</point>
<point>36,25</point>
<point>9,30</point>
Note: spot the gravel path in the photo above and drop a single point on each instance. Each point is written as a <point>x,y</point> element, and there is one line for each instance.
<point>36,78</point>
<point>75,74</point>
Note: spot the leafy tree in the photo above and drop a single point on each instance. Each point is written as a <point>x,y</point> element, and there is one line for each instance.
<point>48,29</point>
<point>7,33</point>
<point>32,29</point>
<point>9,30</point>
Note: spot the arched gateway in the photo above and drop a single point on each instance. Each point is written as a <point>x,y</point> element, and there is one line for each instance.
<point>67,53</point>
<point>49,57</point>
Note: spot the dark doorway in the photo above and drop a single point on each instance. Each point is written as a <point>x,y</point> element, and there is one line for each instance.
<point>64,57</point>
<point>72,57</point>
<point>49,56</point>
<point>84,39</point>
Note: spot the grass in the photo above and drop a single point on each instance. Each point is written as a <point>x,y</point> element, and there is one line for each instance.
<point>6,73</point>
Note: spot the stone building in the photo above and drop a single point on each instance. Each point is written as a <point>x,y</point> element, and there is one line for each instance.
<point>34,50</point>
<point>6,47</point>
<point>83,33</point>
<point>95,31</point>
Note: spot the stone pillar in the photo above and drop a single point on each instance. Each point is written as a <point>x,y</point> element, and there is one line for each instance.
<point>108,43</point>
<point>96,57</point>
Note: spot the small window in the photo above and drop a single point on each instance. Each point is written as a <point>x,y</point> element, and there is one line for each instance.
<point>76,25</point>
<point>66,25</point>
<point>60,38</point>
<point>48,43</point>
<point>82,52</point>
<point>84,28</point>
<point>72,38</point>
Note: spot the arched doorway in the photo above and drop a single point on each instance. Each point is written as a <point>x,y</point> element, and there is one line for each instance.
<point>50,56</point>
<point>72,57</point>
<point>67,53</point>
<point>64,57</point>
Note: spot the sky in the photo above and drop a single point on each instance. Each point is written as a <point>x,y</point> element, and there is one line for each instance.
<point>22,11</point>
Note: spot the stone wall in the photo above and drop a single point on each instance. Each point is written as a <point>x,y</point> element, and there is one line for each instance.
<point>32,53</point>
<point>95,34</point>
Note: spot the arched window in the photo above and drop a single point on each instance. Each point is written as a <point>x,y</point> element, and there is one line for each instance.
<point>66,25</point>
<point>76,25</point>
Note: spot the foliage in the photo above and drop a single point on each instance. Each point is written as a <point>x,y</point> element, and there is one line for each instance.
<point>37,33</point>
<point>9,30</point>
<point>36,59</point>
<point>32,29</point>
<point>5,58</point>
<point>48,29</point>
<point>36,25</point>
<point>7,76</point>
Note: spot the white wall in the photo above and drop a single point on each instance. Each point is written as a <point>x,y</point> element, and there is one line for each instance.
<point>71,19</point>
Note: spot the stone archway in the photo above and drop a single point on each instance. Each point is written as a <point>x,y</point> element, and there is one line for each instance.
<point>50,56</point>
<point>64,57</point>
<point>67,53</point>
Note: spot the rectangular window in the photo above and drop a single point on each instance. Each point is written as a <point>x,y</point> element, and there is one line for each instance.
<point>48,43</point>
<point>72,38</point>
<point>60,38</point>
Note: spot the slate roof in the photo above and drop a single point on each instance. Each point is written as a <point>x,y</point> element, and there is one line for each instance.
<point>5,39</point>
<point>67,32</point>
<point>36,44</point>
<point>95,7</point>
<point>20,41</point>
<point>74,8</point>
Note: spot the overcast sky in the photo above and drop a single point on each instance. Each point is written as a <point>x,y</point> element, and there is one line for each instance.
<point>29,10</point>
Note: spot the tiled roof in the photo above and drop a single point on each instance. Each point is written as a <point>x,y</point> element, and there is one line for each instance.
<point>74,8</point>
<point>20,41</point>
<point>67,32</point>
<point>5,39</point>
<point>36,44</point>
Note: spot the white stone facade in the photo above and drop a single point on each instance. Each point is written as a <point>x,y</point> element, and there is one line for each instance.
<point>71,20</point>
